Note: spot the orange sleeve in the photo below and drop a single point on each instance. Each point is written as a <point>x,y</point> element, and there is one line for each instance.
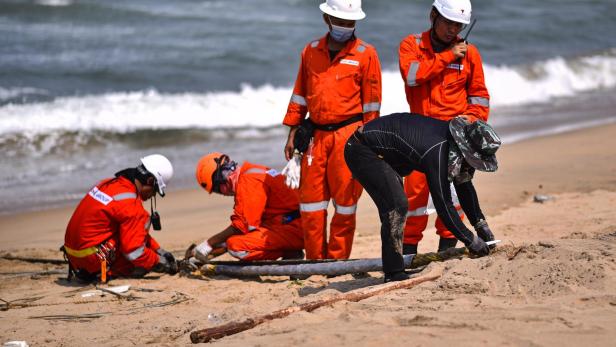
<point>298,106</point>
<point>250,201</point>
<point>415,67</point>
<point>153,244</point>
<point>134,238</point>
<point>371,87</point>
<point>477,93</point>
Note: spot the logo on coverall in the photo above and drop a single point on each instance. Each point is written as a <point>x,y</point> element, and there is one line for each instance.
<point>100,196</point>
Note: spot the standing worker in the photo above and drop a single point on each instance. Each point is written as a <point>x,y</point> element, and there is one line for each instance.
<point>265,221</point>
<point>108,234</point>
<point>339,85</point>
<point>443,78</point>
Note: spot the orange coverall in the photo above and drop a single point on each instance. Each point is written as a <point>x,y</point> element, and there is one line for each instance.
<point>111,211</point>
<point>332,91</point>
<point>440,86</point>
<point>266,211</point>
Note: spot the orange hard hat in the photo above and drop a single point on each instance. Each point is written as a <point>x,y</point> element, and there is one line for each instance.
<point>206,167</point>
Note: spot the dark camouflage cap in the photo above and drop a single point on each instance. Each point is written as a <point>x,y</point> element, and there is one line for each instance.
<point>477,141</point>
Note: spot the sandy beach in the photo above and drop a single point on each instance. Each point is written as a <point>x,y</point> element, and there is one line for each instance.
<point>551,282</point>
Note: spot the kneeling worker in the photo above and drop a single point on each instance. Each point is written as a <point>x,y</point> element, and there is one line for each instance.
<point>384,150</point>
<point>265,224</point>
<point>108,233</point>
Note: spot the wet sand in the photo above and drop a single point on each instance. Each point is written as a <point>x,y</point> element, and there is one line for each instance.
<point>552,281</point>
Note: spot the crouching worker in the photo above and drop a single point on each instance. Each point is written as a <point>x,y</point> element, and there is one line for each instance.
<point>384,150</point>
<point>108,234</point>
<point>265,224</point>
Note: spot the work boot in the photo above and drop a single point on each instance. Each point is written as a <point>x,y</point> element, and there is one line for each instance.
<point>445,244</point>
<point>408,248</point>
<point>293,255</point>
<point>396,276</point>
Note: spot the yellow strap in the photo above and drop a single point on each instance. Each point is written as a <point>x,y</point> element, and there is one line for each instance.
<point>82,253</point>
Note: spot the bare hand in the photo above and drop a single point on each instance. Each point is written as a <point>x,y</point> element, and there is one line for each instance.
<point>459,49</point>
<point>288,148</point>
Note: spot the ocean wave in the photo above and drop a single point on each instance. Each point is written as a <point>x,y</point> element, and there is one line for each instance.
<point>265,106</point>
<point>7,94</point>
<point>54,3</point>
<point>543,81</point>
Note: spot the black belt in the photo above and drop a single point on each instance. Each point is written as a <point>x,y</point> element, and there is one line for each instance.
<point>291,216</point>
<point>336,126</point>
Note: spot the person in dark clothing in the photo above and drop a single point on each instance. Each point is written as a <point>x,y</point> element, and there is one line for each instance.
<point>386,149</point>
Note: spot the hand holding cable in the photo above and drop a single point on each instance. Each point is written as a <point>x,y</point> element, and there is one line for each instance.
<point>478,247</point>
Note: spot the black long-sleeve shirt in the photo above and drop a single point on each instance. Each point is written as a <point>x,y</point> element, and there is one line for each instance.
<point>410,142</point>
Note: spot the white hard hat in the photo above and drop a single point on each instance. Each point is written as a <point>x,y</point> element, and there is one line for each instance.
<point>161,168</point>
<point>343,9</point>
<point>455,10</point>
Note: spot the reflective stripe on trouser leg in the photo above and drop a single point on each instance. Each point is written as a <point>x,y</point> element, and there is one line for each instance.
<point>345,192</point>
<point>420,206</point>
<point>416,189</point>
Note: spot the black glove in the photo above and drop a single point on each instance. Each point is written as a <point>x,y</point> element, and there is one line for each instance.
<point>166,263</point>
<point>478,247</point>
<point>483,231</point>
<point>173,264</point>
<point>304,132</point>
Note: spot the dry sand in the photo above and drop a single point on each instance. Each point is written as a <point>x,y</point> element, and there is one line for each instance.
<point>552,282</point>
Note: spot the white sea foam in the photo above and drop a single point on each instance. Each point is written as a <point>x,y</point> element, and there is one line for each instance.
<point>10,93</point>
<point>265,105</point>
<point>54,3</point>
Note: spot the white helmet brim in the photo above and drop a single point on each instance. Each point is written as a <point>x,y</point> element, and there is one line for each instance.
<point>356,15</point>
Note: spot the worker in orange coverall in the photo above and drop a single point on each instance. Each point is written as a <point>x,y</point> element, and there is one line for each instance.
<point>265,224</point>
<point>443,78</point>
<point>108,234</point>
<point>339,85</point>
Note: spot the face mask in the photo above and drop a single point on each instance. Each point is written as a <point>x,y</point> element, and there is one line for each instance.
<point>341,34</point>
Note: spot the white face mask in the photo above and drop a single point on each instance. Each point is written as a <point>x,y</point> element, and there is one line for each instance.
<point>340,34</point>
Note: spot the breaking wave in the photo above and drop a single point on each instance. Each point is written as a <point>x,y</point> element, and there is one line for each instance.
<point>74,121</point>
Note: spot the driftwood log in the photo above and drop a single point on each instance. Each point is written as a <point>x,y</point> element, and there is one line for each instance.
<point>231,328</point>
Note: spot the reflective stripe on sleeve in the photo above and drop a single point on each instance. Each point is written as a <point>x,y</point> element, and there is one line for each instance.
<point>298,99</point>
<point>346,209</point>
<point>124,196</point>
<point>372,107</point>
<point>314,206</point>
<point>478,100</point>
<point>252,228</point>
<point>136,253</point>
<point>411,78</point>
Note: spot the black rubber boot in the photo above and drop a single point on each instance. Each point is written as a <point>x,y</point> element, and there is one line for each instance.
<point>396,276</point>
<point>408,248</point>
<point>444,244</point>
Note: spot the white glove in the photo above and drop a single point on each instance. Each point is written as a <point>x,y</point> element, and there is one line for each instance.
<point>292,171</point>
<point>202,251</point>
